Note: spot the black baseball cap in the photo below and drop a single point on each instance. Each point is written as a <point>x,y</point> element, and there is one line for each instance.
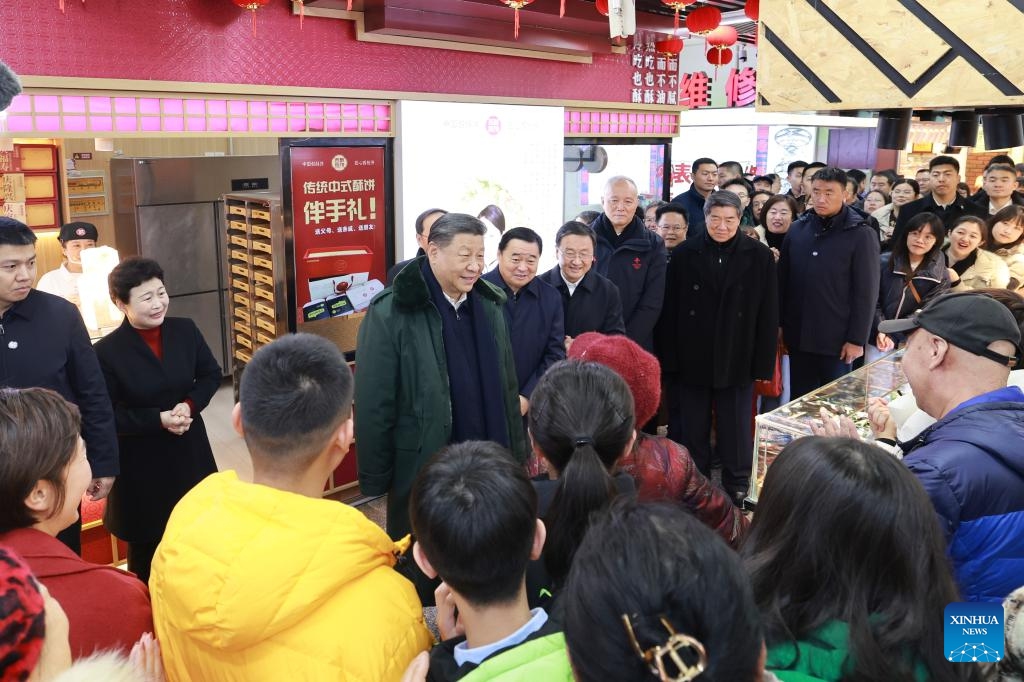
<point>969,321</point>
<point>78,230</point>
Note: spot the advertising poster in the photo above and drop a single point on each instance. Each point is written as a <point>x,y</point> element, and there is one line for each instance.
<point>506,159</point>
<point>338,213</point>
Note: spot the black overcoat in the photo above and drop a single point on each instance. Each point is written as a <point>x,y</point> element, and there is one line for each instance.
<point>157,467</point>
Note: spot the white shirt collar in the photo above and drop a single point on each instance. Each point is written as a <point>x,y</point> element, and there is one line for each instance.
<point>455,303</point>
<point>572,285</point>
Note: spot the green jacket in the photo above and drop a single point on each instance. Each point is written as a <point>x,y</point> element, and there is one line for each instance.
<point>402,396</point>
<point>545,659</point>
<point>823,656</point>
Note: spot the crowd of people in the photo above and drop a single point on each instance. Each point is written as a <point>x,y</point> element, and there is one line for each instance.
<point>539,525</point>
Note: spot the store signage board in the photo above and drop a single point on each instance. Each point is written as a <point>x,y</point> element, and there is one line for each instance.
<point>338,214</point>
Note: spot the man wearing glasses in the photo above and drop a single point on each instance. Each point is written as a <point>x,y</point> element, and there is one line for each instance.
<point>590,301</point>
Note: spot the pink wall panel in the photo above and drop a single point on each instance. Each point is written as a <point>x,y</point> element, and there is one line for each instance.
<point>211,41</point>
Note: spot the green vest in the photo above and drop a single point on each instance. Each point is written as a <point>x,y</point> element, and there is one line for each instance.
<point>545,658</point>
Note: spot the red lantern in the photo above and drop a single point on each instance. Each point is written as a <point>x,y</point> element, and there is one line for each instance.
<point>719,56</point>
<point>677,5</point>
<point>752,9</point>
<point>252,6</point>
<point>517,5</point>
<point>723,36</point>
<point>601,6</point>
<point>703,20</point>
<point>670,47</point>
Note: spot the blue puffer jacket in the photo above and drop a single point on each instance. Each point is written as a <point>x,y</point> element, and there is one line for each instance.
<point>971,463</point>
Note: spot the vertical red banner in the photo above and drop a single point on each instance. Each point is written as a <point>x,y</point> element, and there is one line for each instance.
<point>338,213</point>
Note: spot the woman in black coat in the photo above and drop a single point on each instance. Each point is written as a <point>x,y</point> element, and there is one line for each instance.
<point>160,375</point>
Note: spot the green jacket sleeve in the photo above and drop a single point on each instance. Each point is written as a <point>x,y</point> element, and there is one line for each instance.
<point>376,392</point>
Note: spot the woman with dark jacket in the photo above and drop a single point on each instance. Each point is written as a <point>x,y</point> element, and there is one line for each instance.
<point>662,469</point>
<point>160,375</point>
<point>912,274</point>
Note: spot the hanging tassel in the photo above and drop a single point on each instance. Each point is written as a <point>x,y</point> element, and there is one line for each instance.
<point>561,11</point>
<point>349,8</point>
<point>517,23</point>
<point>677,21</point>
<point>61,3</point>
<point>253,23</point>
<point>302,12</point>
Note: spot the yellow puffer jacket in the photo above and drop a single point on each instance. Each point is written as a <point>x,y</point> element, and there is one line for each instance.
<point>253,583</point>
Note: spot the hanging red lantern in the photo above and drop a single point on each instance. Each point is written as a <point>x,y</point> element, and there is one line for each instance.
<point>517,5</point>
<point>677,5</point>
<point>703,20</point>
<point>723,36</point>
<point>601,6</point>
<point>252,6</point>
<point>670,47</point>
<point>752,9</point>
<point>719,56</point>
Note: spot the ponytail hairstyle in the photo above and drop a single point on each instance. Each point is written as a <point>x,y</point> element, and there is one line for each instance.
<point>581,420</point>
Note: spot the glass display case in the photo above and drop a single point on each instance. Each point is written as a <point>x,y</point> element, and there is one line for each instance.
<point>847,396</point>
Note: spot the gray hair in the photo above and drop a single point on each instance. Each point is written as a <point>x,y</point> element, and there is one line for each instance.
<point>727,199</point>
<point>616,179</point>
<point>448,226</point>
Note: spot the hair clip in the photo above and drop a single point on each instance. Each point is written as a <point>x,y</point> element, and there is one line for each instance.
<point>673,648</point>
<point>583,440</point>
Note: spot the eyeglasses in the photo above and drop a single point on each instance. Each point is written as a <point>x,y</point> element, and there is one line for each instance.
<point>573,255</point>
<point>673,649</point>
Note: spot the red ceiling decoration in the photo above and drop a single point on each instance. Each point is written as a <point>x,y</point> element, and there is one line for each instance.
<point>669,47</point>
<point>752,9</point>
<point>517,5</point>
<point>676,6</point>
<point>252,6</point>
<point>703,20</point>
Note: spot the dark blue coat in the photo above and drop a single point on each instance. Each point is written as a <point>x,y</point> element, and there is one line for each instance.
<point>43,343</point>
<point>693,202</point>
<point>971,463</point>
<point>828,282</point>
<point>637,268</point>
<point>536,326</point>
<point>595,307</point>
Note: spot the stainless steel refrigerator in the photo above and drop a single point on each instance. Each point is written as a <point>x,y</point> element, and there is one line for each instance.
<point>171,210</point>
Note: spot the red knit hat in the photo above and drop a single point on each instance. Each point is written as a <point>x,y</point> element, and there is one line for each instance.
<point>22,618</point>
<point>639,368</point>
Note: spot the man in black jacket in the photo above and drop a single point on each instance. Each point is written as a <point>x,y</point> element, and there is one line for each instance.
<point>943,200</point>
<point>43,343</point>
<point>828,285</point>
<point>591,302</point>
<point>632,257</point>
<point>717,334</point>
<point>705,177</point>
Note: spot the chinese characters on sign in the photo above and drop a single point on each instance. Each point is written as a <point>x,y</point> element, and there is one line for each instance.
<point>338,214</point>
<point>655,76</point>
<point>697,89</point>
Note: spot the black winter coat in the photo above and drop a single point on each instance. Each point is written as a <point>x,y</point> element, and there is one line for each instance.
<point>637,268</point>
<point>713,336</point>
<point>594,307</point>
<point>828,282</point>
<point>896,300</point>
<point>157,467</point>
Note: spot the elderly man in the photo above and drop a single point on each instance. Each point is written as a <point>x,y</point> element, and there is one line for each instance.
<point>434,366</point>
<point>828,285</point>
<point>43,343</point>
<point>632,257</point>
<point>533,310</point>
<point>959,353</point>
<point>717,334</point>
<point>590,302</point>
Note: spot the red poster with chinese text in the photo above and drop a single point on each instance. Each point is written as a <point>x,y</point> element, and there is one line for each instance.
<point>338,213</point>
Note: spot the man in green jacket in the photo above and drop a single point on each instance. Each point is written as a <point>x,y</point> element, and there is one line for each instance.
<point>434,366</point>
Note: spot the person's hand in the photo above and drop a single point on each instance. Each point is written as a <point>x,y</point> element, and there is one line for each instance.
<point>832,426</point>
<point>182,410</point>
<point>175,423</point>
<point>568,343</point>
<point>448,624</point>
<point>524,405</point>
<point>775,252</point>
<point>882,424</point>
<point>145,659</point>
<point>417,670</point>
<point>884,343</point>
<point>954,276</point>
<point>100,487</point>
<point>851,352</point>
